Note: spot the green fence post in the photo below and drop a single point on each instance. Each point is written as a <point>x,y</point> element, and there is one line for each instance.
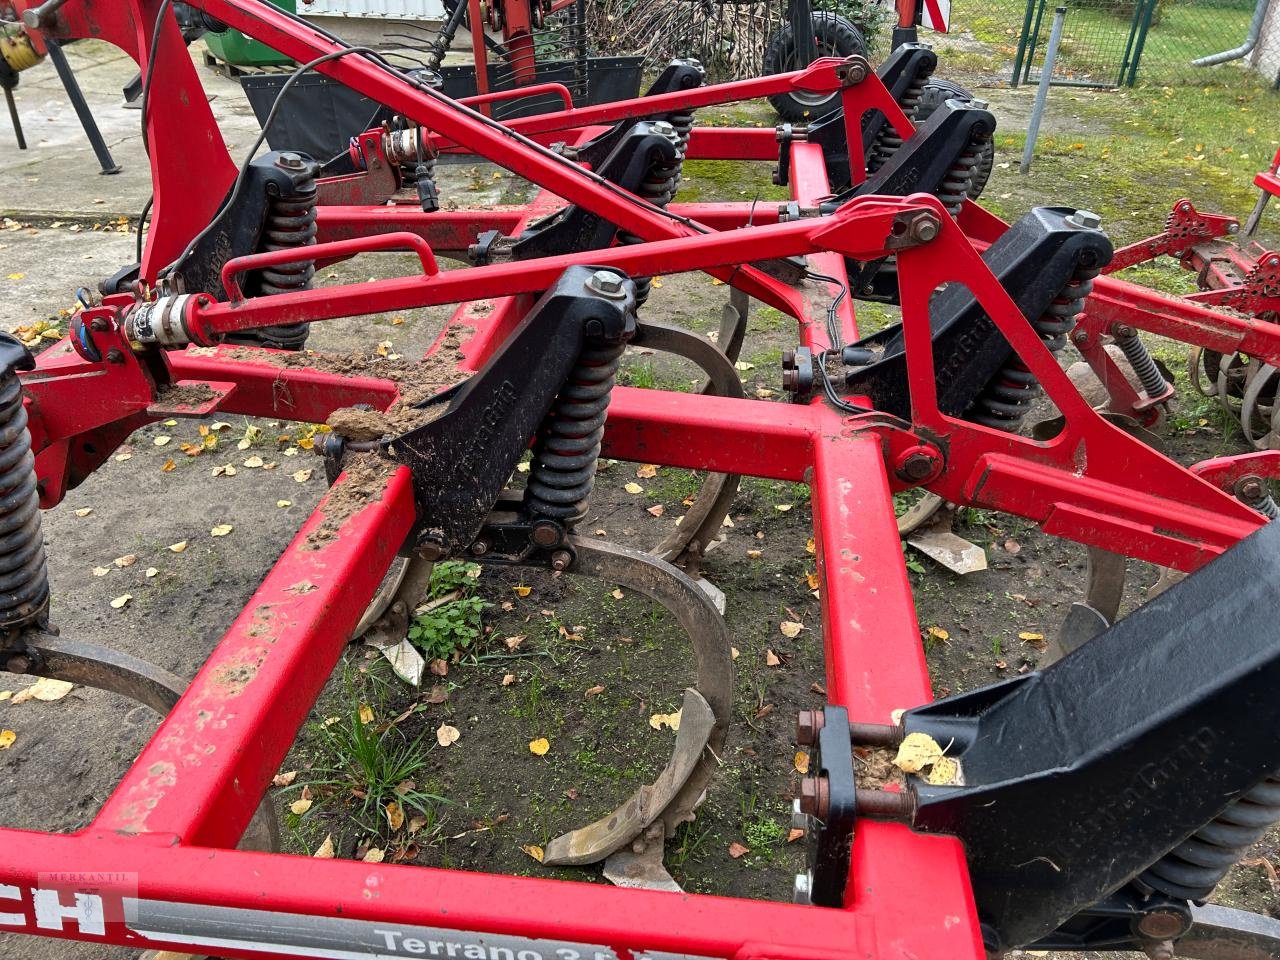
<point>1142,41</point>
<point>1022,44</point>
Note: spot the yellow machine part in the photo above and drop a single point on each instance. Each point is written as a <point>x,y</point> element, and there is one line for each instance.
<point>17,51</point>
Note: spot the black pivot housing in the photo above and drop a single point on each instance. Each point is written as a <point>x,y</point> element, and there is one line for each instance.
<point>462,459</point>
<point>1033,261</point>
<point>1076,779</point>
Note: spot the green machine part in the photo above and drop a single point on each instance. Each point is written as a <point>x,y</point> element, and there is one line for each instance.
<point>235,48</point>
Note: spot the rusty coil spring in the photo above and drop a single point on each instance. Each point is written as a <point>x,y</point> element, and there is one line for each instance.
<point>24,575</point>
<point>1193,868</point>
<point>958,182</point>
<point>568,446</point>
<point>888,141</point>
<point>659,187</point>
<point>291,223</point>
<point>1006,399</point>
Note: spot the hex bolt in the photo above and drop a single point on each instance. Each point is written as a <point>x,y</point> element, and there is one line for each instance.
<point>799,819</point>
<point>809,724</point>
<point>1162,924</point>
<point>815,797</point>
<point>884,804</point>
<point>876,734</point>
<point>917,467</point>
<point>431,549</point>
<point>290,161</point>
<point>802,891</point>
<point>545,534</point>
<point>663,129</point>
<point>561,559</point>
<point>19,663</point>
<point>608,283</point>
<point>979,104</point>
<point>923,229</point>
<point>479,548</point>
<point>1086,219</point>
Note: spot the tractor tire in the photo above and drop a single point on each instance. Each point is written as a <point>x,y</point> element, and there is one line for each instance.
<point>987,157</point>
<point>835,37</point>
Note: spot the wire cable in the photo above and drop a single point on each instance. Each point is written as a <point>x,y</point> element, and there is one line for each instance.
<point>142,220</point>
<point>244,167</point>
<point>151,68</point>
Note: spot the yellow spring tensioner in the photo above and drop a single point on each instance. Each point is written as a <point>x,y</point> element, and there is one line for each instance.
<point>18,52</point>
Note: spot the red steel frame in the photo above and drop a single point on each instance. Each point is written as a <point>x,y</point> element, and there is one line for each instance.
<point>166,834</point>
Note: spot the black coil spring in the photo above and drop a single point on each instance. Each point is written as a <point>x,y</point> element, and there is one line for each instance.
<point>659,187</point>
<point>958,182</point>
<point>291,223</point>
<point>568,446</point>
<point>888,141</point>
<point>1193,868</point>
<point>1007,398</point>
<point>24,576</point>
<point>1149,375</point>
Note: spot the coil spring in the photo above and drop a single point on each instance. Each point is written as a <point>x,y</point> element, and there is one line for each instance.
<point>888,141</point>
<point>568,447</point>
<point>683,123</point>
<point>291,223</point>
<point>659,186</point>
<point>24,577</point>
<point>1149,375</point>
<point>1193,868</point>
<point>958,182</point>
<point>1007,398</point>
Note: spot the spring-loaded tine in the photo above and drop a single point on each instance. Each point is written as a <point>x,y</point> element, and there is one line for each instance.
<point>704,721</point>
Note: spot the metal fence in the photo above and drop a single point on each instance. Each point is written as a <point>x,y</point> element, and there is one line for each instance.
<point>1111,43</point>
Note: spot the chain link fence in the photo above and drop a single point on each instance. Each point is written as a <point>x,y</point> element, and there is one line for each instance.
<point>1114,43</point>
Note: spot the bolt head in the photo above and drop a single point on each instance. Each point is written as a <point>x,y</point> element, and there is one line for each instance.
<point>1233,228</point>
<point>802,892</point>
<point>799,819</point>
<point>479,548</point>
<point>815,797</point>
<point>561,559</point>
<point>662,128</point>
<point>1251,489</point>
<point>979,104</point>
<point>1163,924</point>
<point>918,466</point>
<point>1086,219</point>
<point>808,725</point>
<point>607,282</point>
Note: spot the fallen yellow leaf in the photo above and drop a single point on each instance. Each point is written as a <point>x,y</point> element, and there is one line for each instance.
<point>782,507</point>
<point>221,530</point>
<point>917,751</point>
<point>944,771</point>
<point>7,737</point>
<point>633,487</point>
<point>84,511</point>
<point>168,467</point>
<point>790,629</point>
<point>533,851</point>
<point>522,591</point>
<point>366,713</point>
<point>647,471</point>
<point>1031,637</point>
<point>656,510</point>
<point>254,462</point>
<point>284,779</point>
<point>121,600</point>
<point>801,762</point>
<point>660,720</point>
<point>101,571</point>
<point>508,679</point>
<point>44,689</point>
<point>446,735</point>
<point>938,633</point>
<point>284,503</point>
<point>811,547</point>
<point>375,856</point>
<point>151,572</point>
<point>617,593</point>
<point>128,560</point>
<point>734,653</point>
<point>737,850</point>
<point>755,554</point>
<point>325,850</point>
<point>161,440</point>
<point>302,476</point>
<point>771,659</point>
<point>395,816</point>
<point>178,547</point>
<point>300,806</point>
<point>539,747</point>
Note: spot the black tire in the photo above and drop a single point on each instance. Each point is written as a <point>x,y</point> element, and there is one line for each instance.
<point>953,91</point>
<point>835,37</point>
